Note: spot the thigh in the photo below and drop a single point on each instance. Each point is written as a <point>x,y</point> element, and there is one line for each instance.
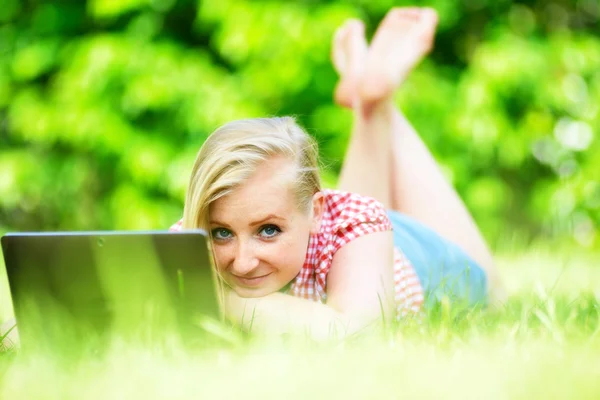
<point>444,269</point>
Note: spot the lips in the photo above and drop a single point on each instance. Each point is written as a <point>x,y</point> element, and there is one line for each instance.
<point>250,282</point>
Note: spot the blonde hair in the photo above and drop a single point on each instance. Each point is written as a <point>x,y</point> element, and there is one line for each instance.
<point>232,153</point>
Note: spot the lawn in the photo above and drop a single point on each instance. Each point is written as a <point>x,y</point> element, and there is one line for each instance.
<point>544,343</point>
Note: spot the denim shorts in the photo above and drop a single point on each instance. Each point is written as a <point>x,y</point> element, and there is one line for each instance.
<point>443,268</point>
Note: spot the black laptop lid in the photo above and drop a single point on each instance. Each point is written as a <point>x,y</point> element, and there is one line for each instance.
<point>87,283</point>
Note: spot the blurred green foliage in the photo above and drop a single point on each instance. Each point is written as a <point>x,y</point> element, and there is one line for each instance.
<point>104,104</point>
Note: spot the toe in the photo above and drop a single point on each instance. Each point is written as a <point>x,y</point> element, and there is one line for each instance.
<point>402,14</point>
<point>428,23</point>
<point>430,15</point>
<point>354,23</point>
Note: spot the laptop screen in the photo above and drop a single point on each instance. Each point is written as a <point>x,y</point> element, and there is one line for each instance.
<point>69,286</point>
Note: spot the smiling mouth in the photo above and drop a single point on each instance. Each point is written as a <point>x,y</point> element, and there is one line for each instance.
<point>251,282</point>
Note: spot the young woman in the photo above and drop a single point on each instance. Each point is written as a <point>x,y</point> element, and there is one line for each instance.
<point>393,240</point>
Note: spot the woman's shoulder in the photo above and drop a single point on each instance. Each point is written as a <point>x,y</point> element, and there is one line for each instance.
<point>343,209</point>
<point>340,198</point>
<point>347,204</point>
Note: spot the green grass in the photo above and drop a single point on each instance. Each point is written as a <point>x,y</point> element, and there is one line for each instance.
<point>545,343</point>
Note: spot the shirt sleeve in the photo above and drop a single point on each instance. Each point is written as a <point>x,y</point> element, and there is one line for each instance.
<point>176,227</point>
<point>357,216</point>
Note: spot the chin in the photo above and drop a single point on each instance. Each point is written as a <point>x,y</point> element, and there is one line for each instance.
<point>258,291</point>
<point>253,292</point>
<point>267,285</point>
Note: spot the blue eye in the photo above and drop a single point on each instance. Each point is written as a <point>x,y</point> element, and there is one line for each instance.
<point>269,231</point>
<point>220,233</point>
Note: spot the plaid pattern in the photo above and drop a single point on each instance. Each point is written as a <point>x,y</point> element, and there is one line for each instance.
<point>408,290</point>
<point>177,226</point>
<point>348,216</point>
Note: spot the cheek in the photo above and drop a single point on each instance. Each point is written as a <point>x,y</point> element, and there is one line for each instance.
<point>291,255</point>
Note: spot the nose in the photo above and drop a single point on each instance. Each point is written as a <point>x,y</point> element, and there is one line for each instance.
<point>245,259</point>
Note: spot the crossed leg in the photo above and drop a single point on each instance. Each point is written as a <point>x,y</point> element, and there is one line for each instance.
<point>386,158</point>
<point>369,153</point>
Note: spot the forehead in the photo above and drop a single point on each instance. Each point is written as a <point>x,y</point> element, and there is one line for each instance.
<point>267,191</point>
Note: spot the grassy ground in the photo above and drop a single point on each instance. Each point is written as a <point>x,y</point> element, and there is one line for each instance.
<point>544,344</point>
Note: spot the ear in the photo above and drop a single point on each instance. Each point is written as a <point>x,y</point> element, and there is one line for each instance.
<point>318,208</point>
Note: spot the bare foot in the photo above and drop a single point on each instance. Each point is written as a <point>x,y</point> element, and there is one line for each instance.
<point>402,39</point>
<point>348,52</point>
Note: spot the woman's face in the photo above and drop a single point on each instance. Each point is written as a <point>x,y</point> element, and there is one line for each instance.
<point>259,235</point>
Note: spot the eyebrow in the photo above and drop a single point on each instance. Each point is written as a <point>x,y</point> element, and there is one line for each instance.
<point>254,223</point>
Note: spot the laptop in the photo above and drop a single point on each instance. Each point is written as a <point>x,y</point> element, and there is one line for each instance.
<point>72,288</point>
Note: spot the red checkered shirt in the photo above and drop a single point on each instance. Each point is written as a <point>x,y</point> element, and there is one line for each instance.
<point>346,217</point>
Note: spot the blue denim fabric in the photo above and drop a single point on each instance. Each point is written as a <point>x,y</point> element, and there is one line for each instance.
<point>443,268</point>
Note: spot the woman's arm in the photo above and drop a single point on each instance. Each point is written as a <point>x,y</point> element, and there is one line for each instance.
<point>359,296</point>
<point>280,313</point>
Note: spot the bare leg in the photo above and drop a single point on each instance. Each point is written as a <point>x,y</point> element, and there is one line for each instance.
<point>370,135</point>
<point>417,186</point>
<point>428,197</point>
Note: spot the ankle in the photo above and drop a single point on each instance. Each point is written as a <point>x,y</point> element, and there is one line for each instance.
<point>377,110</point>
